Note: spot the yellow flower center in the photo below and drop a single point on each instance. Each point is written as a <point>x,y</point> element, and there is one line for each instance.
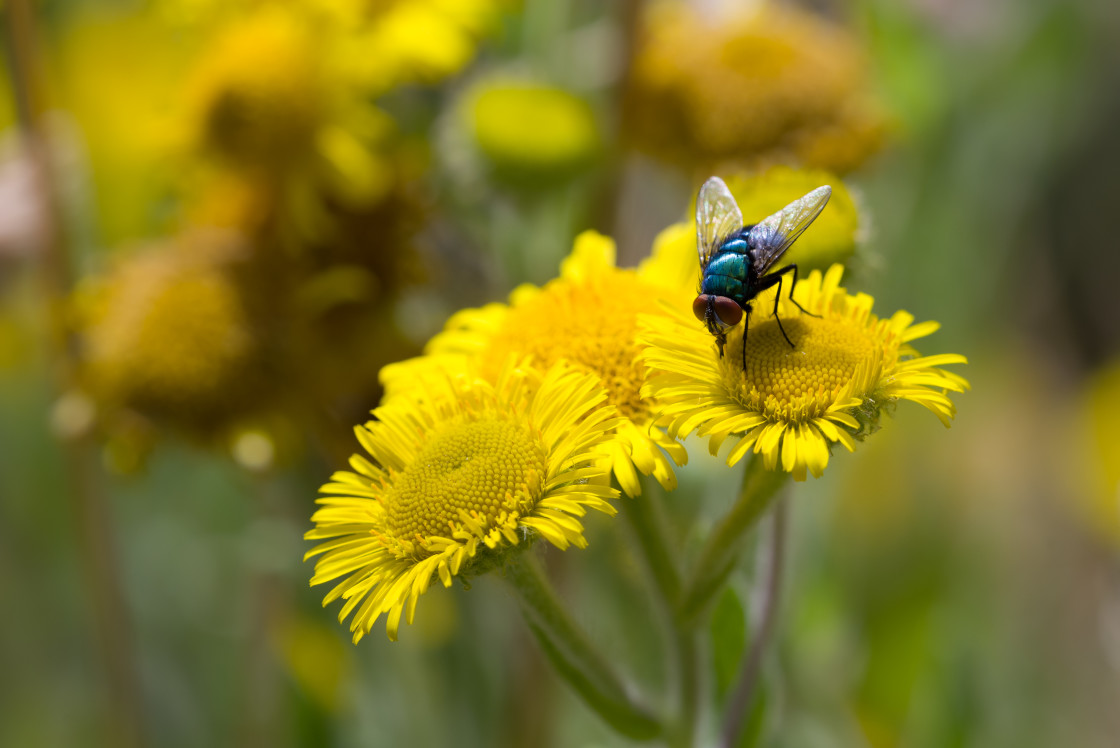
<point>483,468</point>
<point>173,337</point>
<point>799,382</point>
<point>593,325</point>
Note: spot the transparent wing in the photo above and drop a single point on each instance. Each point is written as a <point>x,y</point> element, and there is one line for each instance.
<point>717,216</point>
<point>771,237</point>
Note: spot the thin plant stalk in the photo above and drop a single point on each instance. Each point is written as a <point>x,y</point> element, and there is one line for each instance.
<point>97,544</point>
<point>739,705</point>
<point>646,517</point>
<point>269,610</point>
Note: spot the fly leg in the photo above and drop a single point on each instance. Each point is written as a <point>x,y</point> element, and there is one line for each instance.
<point>771,279</point>
<point>745,344</point>
<point>746,325</point>
<point>787,268</point>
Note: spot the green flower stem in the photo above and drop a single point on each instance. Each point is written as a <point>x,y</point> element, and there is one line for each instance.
<point>571,652</point>
<point>739,706</point>
<point>721,552</point>
<point>645,515</point>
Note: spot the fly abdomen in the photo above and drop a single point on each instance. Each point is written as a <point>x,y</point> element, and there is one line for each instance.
<point>730,263</point>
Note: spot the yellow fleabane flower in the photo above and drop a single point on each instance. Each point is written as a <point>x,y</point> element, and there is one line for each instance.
<point>416,41</point>
<point>266,103</point>
<point>459,476</point>
<point>588,317</point>
<point>791,405</point>
<point>380,44</point>
<point>762,83</point>
<point>170,333</point>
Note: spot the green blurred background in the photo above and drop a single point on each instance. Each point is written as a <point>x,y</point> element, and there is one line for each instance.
<point>947,588</point>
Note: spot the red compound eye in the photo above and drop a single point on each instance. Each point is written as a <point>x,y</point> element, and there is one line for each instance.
<point>700,306</point>
<point>728,311</point>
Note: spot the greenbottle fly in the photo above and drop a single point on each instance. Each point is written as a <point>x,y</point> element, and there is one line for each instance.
<point>735,260</point>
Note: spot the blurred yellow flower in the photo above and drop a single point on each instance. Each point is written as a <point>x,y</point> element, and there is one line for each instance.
<point>772,84</point>
<point>278,94</point>
<point>588,317</point>
<point>125,110</point>
<point>791,405</point>
<point>258,93</point>
<point>266,102</point>
<point>530,132</point>
<point>1098,455</point>
<point>169,334</point>
<point>416,41</point>
<point>459,477</point>
<point>378,44</point>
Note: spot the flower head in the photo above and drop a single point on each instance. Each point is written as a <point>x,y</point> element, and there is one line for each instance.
<point>530,132</point>
<point>265,102</point>
<point>791,405</point>
<point>169,333</point>
<point>380,44</point>
<point>587,317</point>
<point>775,84</point>
<point>459,476</point>
<point>266,113</point>
<point>417,41</point>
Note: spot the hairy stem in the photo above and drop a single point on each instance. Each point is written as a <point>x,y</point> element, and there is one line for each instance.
<point>572,654</point>
<point>724,546</point>
<point>646,517</point>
